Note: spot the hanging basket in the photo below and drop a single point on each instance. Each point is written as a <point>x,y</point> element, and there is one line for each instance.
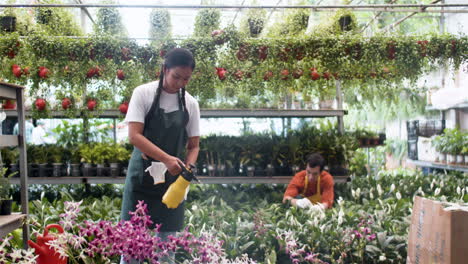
<point>255,26</point>
<point>8,23</point>
<point>345,23</point>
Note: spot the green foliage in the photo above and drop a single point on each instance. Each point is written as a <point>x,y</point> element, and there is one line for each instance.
<point>294,22</point>
<point>87,153</point>
<point>5,185</point>
<point>56,21</point>
<point>69,134</point>
<point>109,21</point>
<point>253,21</point>
<point>160,26</point>
<point>9,155</point>
<point>453,142</point>
<point>206,21</point>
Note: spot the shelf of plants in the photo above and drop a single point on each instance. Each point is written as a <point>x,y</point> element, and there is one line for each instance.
<point>203,180</point>
<point>428,164</point>
<point>10,222</point>
<point>206,113</point>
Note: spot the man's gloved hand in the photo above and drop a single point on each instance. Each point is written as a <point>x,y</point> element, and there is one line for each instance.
<point>303,203</point>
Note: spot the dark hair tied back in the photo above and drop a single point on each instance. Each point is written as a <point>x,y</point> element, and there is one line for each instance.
<point>314,160</point>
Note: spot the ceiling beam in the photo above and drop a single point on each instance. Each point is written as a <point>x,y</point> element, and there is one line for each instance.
<point>422,7</point>
<point>408,16</point>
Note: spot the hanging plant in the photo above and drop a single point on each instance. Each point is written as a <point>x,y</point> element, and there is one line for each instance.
<point>253,20</point>
<point>109,21</point>
<point>206,21</point>
<point>160,26</point>
<point>56,21</point>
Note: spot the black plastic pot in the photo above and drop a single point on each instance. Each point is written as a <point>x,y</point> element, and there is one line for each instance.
<point>88,169</point>
<point>75,170</point>
<point>255,26</point>
<point>345,23</point>
<point>8,23</point>
<point>250,171</point>
<point>57,169</point>
<point>211,170</point>
<point>14,168</point>
<point>5,207</point>
<point>42,170</point>
<point>101,170</point>
<point>221,170</point>
<point>270,170</point>
<point>114,169</point>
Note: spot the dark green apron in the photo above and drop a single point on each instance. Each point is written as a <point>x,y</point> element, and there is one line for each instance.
<point>167,131</point>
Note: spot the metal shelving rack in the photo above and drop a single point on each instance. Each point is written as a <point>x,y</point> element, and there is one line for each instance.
<point>9,223</point>
<point>203,180</point>
<point>428,164</point>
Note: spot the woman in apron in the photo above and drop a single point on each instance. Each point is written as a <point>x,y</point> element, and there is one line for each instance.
<point>163,125</point>
<point>312,187</point>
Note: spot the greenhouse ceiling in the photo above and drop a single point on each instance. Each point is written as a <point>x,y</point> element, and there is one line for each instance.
<point>379,16</point>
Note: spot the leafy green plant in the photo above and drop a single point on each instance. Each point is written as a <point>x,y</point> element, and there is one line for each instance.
<point>109,21</point>
<point>5,183</point>
<point>56,21</point>
<point>160,26</point>
<point>206,21</point>
<point>87,153</point>
<point>9,155</point>
<point>253,21</point>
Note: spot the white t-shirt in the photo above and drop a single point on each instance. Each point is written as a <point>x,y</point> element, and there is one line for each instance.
<point>142,99</point>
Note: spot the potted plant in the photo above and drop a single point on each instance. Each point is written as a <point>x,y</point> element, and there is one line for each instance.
<point>10,158</point>
<point>465,154</point>
<point>56,157</point>
<point>249,157</point>
<point>40,156</point>
<point>206,21</point>
<point>454,141</point>
<point>75,161</point>
<point>440,145</point>
<point>254,20</point>
<point>101,156</point>
<point>5,198</point>
<point>8,23</point>
<point>117,155</point>
<point>88,158</point>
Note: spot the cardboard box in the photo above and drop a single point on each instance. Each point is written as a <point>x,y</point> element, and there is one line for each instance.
<point>438,233</point>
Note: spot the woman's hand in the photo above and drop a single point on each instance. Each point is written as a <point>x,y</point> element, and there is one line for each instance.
<point>173,165</point>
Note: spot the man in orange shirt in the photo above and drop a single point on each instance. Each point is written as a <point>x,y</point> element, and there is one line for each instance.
<point>312,187</point>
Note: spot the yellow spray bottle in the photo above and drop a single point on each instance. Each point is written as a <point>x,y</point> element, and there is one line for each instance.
<point>176,191</point>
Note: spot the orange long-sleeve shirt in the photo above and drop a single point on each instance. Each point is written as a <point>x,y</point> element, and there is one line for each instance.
<point>297,184</point>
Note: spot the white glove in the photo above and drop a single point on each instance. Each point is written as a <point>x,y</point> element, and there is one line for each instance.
<point>303,203</point>
<point>157,171</point>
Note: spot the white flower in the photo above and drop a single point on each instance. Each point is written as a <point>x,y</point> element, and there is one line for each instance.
<point>441,183</point>
<point>392,188</point>
<point>340,200</point>
<point>16,255</point>
<point>437,191</point>
<point>398,195</point>
<point>353,193</point>
<point>379,189</point>
<point>382,258</point>
<point>458,190</point>
<point>358,192</point>
<point>432,184</point>
<point>340,216</point>
<point>371,195</point>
